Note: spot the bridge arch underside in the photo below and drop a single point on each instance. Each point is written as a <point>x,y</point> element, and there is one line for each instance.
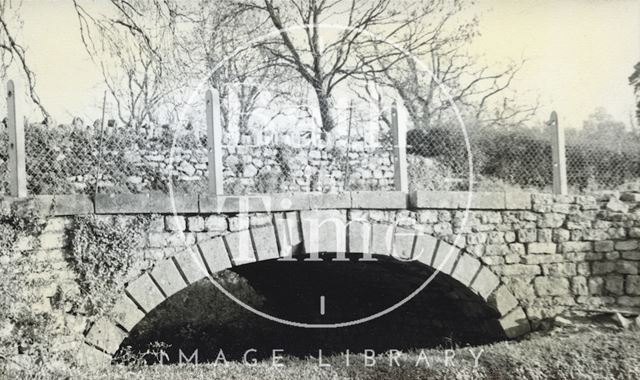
<point>466,301</point>
<point>201,317</point>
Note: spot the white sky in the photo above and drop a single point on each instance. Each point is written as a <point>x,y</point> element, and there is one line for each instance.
<point>580,54</point>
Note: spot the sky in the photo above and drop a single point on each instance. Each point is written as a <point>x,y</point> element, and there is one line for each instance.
<point>579,54</point>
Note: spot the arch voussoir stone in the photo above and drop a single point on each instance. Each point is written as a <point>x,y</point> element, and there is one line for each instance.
<point>105,335</point>
<point>240,247</point>
<point>214,252</point>
<point>264,241</point>
<point>168,277</point>
<point>144,292</point>
<point>191,265</point>
<point>126,313</point>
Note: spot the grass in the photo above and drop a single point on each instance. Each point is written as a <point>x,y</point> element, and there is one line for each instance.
<point>590,355</point>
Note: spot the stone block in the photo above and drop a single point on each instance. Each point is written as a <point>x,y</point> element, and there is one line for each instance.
<point>191,265</point>
<point>576,246</point>
<point>559,269</point>
<point>215,223</point>
<point>633,285</point>
<point>438,199</point>
<point>629,301</point>
<point>425,249</point>
<point>195,224</point>
<point>604,267</point>
<point>359,237</point>
<point>239,223</point>
<point>105,335</point>
<point>517,200</point>
<point>551,220</point>
<point>527,235</point>
<point>603,246</point>
<point>145,293</point>
<point>551,286</point>
<point>626,245</point>
<point>485,282</point>
<point>215,254</point>
<point>387,200</point>
<point>126,313</point>
<point>614,284</point>
<point>446,257</point>
<point>560,235</point>
<point>175,223</point>
<point>168,278</point>
<point>324,231</point>
<point>579,286</point>
<point>537,248</point>
<point>541,259</point>
<point>466,268</point>
<point>626,267</point>
<point>515,323</point>
<point>240,247</point>
<point>381,238</point>
<point>615,205</point>
<point>254,203</point>
<point>324,201</point>
<point>264,241</point>
<point>497,250</point>
<point>630,197</point>
<point>145,204</point>
<point>487,201</point>
<point>518,269</point>
<point>66,204</point>
<point>502,300</point>
<point>631,255</point>
<point>403,243</point>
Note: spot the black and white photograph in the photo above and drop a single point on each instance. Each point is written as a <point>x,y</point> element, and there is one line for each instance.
<point>319,189</point>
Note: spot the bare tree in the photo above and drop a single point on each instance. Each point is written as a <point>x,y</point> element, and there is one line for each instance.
<point>326,57</point>
<point>151,51</point>
<point>12,53</point>
<point>132,42</point>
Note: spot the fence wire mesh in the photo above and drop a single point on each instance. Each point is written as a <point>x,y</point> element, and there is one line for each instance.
<point>440,158</point>
<point>67,160</point>
<point>604,159</point>
<point>357,156</point>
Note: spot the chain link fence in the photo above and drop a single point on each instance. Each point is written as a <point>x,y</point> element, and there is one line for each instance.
<point>357,156</point>
<point>484,159</point>
<point>86,160</point>
<point>603,160</point>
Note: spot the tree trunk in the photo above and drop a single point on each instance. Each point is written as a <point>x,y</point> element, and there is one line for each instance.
<point>327,111</point>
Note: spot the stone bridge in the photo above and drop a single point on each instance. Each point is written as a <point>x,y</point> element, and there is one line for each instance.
<point>526,256</point>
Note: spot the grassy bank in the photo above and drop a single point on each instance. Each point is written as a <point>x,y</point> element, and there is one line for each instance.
<point>592,355</point>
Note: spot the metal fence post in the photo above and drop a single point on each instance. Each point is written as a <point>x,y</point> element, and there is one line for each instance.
<point>17,175</point>
<point>399,133</point>
<point>559,159</point>
<point>214,142</point>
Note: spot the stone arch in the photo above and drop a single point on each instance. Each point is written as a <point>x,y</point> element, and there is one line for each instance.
<point>295,233</point>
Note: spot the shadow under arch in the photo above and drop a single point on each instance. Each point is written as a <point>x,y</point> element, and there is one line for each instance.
<point>202,318</point>
<point>466,301</point>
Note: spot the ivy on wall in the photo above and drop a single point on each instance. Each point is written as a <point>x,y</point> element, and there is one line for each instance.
<point>103,254</point>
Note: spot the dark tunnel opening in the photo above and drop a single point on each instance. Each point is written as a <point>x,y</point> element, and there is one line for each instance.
<point>202,317</point>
